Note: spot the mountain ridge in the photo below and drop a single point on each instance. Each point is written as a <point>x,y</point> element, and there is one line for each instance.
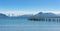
<point>44,15</point>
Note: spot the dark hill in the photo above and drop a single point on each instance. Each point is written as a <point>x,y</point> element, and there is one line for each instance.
<point>3,15</point>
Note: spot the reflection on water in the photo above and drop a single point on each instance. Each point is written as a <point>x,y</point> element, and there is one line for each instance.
<point>22,24</point>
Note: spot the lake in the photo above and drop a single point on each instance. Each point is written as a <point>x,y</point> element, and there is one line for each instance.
<point>22,24</point>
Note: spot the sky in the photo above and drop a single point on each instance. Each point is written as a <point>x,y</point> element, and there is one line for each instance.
<point>28,6</point>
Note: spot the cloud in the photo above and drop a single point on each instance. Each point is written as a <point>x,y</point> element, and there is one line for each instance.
<point>55,11</point>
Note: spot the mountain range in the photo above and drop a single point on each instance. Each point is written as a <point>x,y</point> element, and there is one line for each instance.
<point>39,15</point>
<point>44,15</point>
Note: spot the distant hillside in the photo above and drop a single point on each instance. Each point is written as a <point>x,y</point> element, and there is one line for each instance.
<point>44,15</point>
<point>25,16</point>
<point>3,15</point>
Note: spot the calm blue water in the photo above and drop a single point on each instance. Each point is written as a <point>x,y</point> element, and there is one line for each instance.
<point>22,24</point>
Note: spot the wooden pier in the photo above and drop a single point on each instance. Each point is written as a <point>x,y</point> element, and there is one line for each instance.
<point>46,19</point>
